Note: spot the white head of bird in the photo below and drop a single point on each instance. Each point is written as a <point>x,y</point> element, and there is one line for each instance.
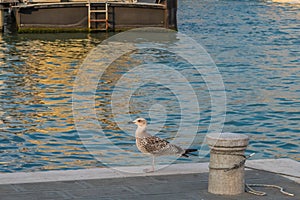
<point>140,122</point>
<point>141,129</point>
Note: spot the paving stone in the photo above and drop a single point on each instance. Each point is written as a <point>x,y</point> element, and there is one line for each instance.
<point>50,186</point>
<point>38,195</point>
<point>7,188</point>
<point>100,192</point>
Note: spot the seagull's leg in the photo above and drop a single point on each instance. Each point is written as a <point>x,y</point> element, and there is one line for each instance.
<point>153,163</point>
<point>152,168</point>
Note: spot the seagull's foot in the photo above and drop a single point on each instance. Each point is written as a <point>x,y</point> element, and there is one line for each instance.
<point>148,170</point>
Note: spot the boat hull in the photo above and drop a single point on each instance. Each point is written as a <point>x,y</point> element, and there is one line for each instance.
<point>70,17</point>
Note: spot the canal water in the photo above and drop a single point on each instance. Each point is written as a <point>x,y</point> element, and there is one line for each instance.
<point>254,45</point>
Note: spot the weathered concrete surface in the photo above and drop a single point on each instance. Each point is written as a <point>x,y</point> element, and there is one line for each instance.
<point>99,173</point>
<point>283,165</point>
<point>190,183</point>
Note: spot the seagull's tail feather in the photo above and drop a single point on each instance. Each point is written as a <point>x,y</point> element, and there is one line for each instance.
<point>188,151</point>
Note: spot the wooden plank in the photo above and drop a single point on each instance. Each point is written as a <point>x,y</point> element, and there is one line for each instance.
<point>98,11</point>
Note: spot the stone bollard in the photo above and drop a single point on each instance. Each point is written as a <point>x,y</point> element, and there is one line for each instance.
<point>226,166</point>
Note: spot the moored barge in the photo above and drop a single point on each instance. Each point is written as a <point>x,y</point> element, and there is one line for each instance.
<point>94,15</point>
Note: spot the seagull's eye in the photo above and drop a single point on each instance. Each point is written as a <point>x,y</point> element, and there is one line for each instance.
<point>139,120</point>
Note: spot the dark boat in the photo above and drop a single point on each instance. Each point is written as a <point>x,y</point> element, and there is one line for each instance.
<point>95,16</point>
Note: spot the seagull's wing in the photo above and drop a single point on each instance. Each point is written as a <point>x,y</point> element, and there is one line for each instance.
<point>158,146</point>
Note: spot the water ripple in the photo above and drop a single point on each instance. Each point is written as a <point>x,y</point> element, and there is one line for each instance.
<point>255,45</point>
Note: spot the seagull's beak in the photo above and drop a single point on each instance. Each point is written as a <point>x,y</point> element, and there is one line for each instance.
<point>132,122</point>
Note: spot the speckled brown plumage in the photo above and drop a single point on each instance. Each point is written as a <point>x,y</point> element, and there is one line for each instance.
<point>157,146</point>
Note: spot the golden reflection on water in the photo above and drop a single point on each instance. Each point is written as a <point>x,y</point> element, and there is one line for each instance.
<point>43,102</point>
<point>108,80</point>
<point>41,85</point>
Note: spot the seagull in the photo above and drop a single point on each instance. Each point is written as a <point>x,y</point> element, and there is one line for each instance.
<point>155,146</point>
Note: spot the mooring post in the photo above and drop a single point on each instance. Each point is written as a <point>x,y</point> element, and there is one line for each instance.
<point>1,18</point>
<point>226,166</point>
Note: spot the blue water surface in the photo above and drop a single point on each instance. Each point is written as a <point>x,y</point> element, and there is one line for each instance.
<point>254,44</point>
